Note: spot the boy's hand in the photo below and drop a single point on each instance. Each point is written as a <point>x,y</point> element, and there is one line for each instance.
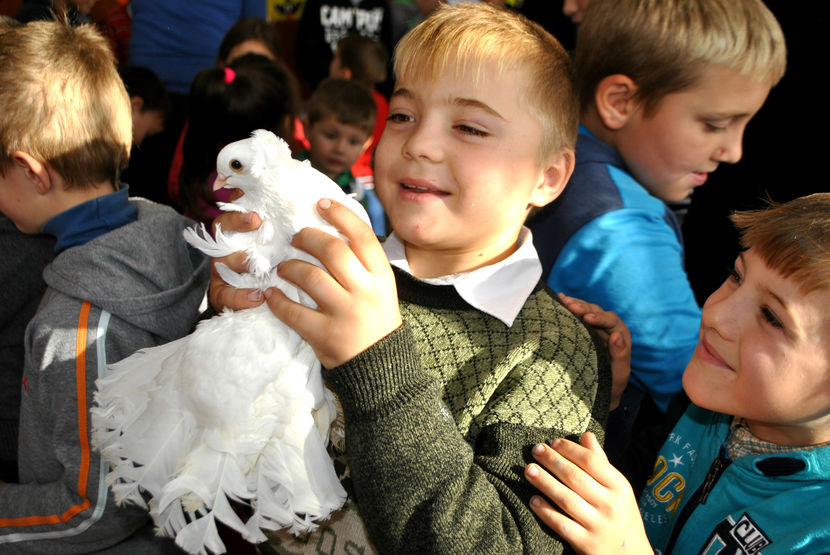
<point>357,303</point>
<point>604,517</point>
<point>220,294</point>
<point>617,338</point>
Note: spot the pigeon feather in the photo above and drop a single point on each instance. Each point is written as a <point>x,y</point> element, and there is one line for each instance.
<point>236,411</point>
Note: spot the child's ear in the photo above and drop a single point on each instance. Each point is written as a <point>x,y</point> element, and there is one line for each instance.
<point>556,175</point>
<point>615,100</point>
<point>36,172</point>
<point>137,104</point>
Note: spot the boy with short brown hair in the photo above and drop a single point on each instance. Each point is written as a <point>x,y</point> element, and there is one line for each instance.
<point>449,364</point>
<point>338,126</point>
<point>122,279</point>
<point>746,469</point>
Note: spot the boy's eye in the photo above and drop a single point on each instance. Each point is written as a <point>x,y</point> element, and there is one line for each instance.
<point>715,126</point>
<point>770,317</point>
<point>471,130</point>
<point>400,118</point>
<point>735,276</point>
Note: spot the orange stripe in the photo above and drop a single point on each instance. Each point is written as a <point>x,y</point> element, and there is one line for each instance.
<point>83,437</point>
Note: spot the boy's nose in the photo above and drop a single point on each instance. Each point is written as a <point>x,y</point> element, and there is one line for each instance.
<point>720,309</point>
<point>422,143</point>
<point>731,150</point>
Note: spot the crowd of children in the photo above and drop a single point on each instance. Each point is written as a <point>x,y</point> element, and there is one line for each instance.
<point>484,410</point>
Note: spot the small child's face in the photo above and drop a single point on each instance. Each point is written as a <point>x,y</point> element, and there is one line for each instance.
<point>690,132</point>
<point>335,146</point>
<point>764,355</point>
<point>250,46</point>
<point>146,123</point>
<point>336,70</point>
<point>457,167</point>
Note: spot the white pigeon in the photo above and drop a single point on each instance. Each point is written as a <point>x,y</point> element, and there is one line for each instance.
<point>237,410</point>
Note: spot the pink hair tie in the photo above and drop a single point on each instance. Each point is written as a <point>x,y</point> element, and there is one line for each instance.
<point>230,75</point>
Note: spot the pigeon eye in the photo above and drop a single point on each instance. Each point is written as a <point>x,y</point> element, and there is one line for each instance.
<point>236,165</point>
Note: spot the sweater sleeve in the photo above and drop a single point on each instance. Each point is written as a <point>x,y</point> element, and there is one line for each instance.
<point>631,262</point>
<point>419,485</point>
<point>62,504</point>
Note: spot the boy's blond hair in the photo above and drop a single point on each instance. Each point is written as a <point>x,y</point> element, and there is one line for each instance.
<point>662,45</point>
<point>469,34</point>
<point>792,238</point>
<point>63,102</point>
<point>349,102</point>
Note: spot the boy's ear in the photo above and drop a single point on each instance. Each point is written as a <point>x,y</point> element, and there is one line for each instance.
<point>36,172</point>
<point>615,100</point>
<point>137,105</point>
<point>555,177</point>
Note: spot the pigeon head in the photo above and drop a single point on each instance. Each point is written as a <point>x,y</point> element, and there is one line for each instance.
<point>243,164</point>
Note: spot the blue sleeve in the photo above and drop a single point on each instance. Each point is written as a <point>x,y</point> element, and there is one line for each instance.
<point>630,261</point>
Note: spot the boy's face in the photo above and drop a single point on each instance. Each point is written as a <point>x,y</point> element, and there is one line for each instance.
<point>458,168</point>
<point>764,355</point>
<point>335,146</point>
<point>146,123</point>
<point>673,149</point>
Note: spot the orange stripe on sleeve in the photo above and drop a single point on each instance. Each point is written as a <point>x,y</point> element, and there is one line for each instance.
<point>83,436</point>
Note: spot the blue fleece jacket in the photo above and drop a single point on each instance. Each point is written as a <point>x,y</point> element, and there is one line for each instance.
<point>608,241</point>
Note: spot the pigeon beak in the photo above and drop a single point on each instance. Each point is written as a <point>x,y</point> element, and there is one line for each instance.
<point>221,182</point>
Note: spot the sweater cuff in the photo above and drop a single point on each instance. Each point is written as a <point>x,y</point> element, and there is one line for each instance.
<point>386,375</point>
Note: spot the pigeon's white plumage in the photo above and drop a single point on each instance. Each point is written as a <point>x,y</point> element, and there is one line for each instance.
<point>237,410</point>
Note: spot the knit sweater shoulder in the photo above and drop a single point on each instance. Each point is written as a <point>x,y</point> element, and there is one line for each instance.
<point>441,416</point>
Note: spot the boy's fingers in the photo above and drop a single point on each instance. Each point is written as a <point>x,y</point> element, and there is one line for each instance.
<point>315,281</point>
<point>362,239</point>
<point>222,296</point>
<point>564,495</point>
<point>237,221</point>
<point>337,256</point>
<point>300,318</point>
<point>589,467</point>
<point>570,531</point>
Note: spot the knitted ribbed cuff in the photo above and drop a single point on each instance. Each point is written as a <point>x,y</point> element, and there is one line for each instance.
<point>381,378</point>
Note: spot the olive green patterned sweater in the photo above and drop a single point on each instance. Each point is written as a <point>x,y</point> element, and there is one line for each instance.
<point>441,416</point>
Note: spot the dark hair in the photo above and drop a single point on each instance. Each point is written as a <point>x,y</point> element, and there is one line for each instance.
<point>143,83</point>
<point>250,28</point>
<point>365,58</point>
<point>348,101</point>
<point>226,105</point>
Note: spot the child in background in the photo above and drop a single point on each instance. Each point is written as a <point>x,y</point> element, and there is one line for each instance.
<point>122,280</point>
<point>666,90</point>
<point>226,105</point>
<point>251,35</point>
<point>364,60</point>
<point>149,101</point>
<point>441,411</point>
<point>747,468</point>
<point>341,115</point>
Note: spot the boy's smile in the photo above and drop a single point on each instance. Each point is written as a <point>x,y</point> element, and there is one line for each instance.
<point>458,168</point>
<point>690,132</point>
<point>764,355</point>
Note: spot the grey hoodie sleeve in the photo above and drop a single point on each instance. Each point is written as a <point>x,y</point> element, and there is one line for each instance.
<point>62,504</point>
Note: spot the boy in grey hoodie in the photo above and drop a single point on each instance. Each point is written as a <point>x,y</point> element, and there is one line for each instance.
<point>123,279</point>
